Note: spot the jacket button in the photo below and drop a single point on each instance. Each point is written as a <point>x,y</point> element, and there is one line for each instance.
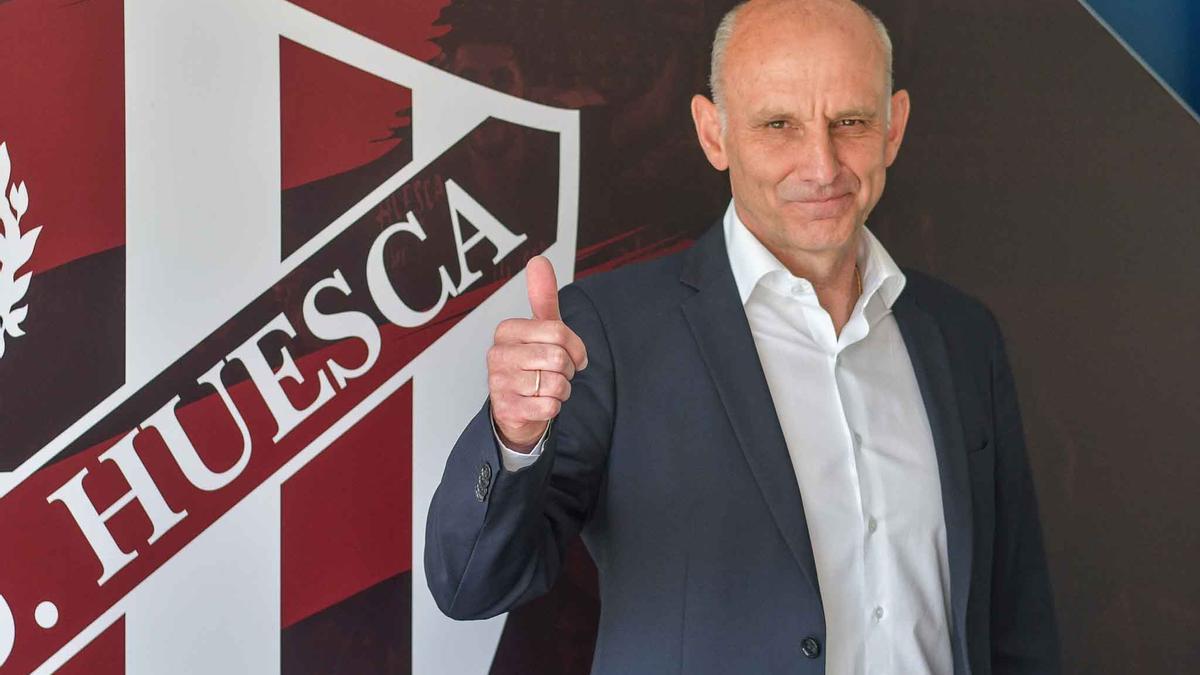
<point>810,647</point>
<point>483,483</point>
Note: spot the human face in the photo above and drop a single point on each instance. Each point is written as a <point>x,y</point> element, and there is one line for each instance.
<point>806,136</point>
<point>493,66</point>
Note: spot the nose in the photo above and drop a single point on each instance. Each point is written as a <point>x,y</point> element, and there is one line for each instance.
<point>818,161</point>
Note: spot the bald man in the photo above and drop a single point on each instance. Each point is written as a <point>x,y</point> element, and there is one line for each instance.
<point>784,453</point>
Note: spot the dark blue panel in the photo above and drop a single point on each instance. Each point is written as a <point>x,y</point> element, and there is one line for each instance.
<point>1165,33</point>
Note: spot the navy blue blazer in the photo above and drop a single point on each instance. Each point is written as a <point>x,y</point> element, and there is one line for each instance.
<point>669,460</point>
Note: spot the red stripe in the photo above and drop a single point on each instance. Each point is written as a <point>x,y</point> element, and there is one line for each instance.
<point>333,117</point>
<point>347,515</point>
<point>62,114</point>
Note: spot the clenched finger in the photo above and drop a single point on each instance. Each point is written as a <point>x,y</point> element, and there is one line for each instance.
<point>525,408</point>
<point>531,357</point>
<point>548,332</point>
<point>547,383</point>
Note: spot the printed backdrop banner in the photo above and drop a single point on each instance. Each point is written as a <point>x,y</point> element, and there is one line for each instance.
<point>248,250</point>
<point>253,252</point>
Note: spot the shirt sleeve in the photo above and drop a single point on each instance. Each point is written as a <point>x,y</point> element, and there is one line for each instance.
<point>515,461</point>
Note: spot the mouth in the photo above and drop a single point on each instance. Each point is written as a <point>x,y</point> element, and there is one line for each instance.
<point>827,200</point>
<point>828,207</point>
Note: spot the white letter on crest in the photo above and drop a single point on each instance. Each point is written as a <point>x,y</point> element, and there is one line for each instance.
<point>461,204</point>
<point>334,327</point>
<point>386,299</point>
<point>182,448</point>
<point>486,225</point>
<point>91,522</point>
<point>287,416</point>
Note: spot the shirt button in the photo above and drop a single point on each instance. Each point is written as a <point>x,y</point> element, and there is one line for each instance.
<point>872,524</point>
<point>878,614</point>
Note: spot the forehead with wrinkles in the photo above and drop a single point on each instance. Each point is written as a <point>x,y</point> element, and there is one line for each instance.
<point>822,29</point>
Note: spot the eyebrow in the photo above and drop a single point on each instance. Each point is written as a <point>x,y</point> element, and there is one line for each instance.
<point>865,113</point>
<point>768,114</point>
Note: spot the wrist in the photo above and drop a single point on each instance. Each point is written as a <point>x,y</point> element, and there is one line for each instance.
<point>523,446</point>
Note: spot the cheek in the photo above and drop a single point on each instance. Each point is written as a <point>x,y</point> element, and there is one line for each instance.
<point>865,160</point>
<point>762,160</point>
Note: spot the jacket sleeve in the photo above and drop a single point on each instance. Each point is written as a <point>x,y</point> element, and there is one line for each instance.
<point>495,539</point>
<point>1024,635</point>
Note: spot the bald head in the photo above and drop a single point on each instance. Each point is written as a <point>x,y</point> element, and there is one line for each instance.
<point>745,27</point>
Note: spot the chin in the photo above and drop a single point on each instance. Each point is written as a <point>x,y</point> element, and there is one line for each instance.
<point>820,235</point>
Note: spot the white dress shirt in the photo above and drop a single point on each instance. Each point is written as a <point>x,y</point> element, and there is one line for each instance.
<point>862,449</point>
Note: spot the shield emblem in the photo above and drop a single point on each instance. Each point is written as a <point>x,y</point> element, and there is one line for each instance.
<point>274,356</point>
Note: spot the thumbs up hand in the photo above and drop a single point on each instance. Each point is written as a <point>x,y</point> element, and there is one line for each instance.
<point>531,363</point>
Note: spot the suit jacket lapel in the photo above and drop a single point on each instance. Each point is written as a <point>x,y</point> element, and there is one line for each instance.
<point>718,321</point>
<point>927,349</point>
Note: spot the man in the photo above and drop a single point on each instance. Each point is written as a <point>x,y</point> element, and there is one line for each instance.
<point>784,453</point>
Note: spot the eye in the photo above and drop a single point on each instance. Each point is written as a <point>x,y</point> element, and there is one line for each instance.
<point>850,122</point>
<point>777,124</point>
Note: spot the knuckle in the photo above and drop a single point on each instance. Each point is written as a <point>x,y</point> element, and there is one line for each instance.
<point>562,334</point>
<point>521,413</point>
<point>505,330</point>
<point>517,358</point>
<point>559,359</point>
<point>499,409</point>
<point>530,410</point>
<point>495,382</point>
<point>546,407</point>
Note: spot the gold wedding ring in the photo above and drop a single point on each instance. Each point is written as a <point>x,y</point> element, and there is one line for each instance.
<point>537,384</point>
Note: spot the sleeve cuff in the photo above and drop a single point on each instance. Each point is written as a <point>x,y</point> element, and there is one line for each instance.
<point>515,461</point>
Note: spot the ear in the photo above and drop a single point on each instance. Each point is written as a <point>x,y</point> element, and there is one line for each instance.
<point>708,129</point>
<point>895,132</point>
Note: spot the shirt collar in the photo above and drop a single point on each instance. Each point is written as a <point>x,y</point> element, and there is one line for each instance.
<point>751,261</point>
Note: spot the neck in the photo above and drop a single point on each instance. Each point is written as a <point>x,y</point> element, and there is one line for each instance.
<point>835,277</point>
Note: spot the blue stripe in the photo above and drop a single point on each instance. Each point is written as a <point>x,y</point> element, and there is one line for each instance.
<point>1165,34</point>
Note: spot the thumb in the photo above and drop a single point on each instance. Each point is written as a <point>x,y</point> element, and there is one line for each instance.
<point>543,289</point>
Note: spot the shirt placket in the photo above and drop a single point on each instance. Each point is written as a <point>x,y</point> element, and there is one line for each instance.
<point>851,438</point>
<point>873,535</point>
